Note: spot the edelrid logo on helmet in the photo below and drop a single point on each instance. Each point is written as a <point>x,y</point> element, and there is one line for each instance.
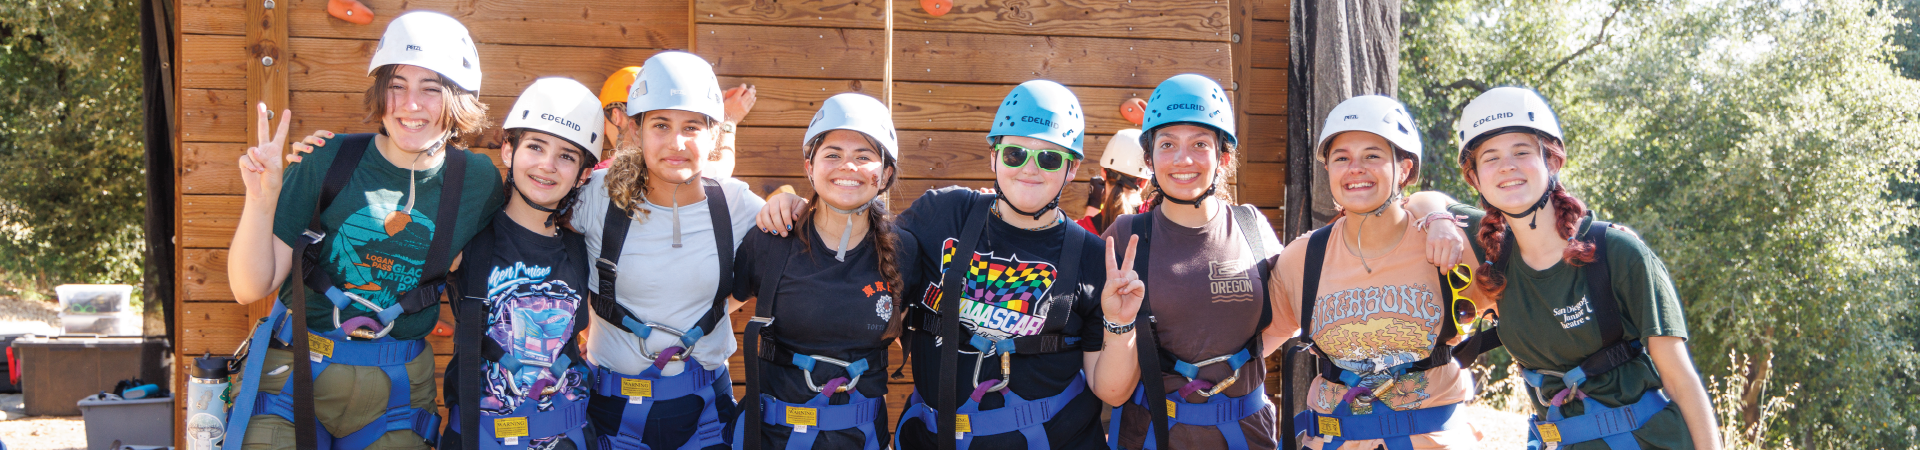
<point>1192,106</point>
<point>560,120</point>
<point>1491,118</point>
<point>413,48</point>
<point>1039,120</point>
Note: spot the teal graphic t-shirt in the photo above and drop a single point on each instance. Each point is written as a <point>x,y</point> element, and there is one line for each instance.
<point>375,246</point>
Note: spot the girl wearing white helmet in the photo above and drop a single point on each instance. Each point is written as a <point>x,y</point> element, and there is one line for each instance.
<point>1587,310</point>
<point>376,221</point>
<point>1207,286</point>
<point>1125,165</point>
<point>1006,318</point>
<point>663,236</point>
<point>1378,316</point>
<point>520,294</point>
<point>830,299</point>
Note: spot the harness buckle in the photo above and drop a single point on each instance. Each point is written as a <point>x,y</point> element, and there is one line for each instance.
<point>1222,387</point>
<point>763,321</point>
<point>313,237</point>
<point>606,266</point>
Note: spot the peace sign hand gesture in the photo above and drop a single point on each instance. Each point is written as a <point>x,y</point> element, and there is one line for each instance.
<point>261,168</point>
<point>1120,299</point>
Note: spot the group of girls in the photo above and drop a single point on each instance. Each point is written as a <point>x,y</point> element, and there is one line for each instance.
<point>591,305</point>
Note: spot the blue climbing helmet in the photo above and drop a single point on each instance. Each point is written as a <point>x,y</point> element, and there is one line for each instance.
<point>1190,99</point>
<point>1043,110</point>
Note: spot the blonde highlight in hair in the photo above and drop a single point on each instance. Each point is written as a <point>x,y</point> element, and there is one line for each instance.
<point>627,174</point>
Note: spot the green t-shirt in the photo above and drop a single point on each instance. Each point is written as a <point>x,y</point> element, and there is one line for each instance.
<point>372,248</point>
<point>1546,323</point>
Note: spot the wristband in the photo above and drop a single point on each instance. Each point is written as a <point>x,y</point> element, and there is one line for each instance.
<point>1119,329</point>
<point>1427,222</point>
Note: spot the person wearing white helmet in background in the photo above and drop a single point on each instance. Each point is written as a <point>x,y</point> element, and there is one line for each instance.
<point>520,293</point>
<point>1006,318</point>
<point>1379,318</point>
<point>1125,165</point>
<point>377,220</point>
<point>663,235</point>
<point>1589,311</point>
<point>831,297</point>
<point>1206,284</point>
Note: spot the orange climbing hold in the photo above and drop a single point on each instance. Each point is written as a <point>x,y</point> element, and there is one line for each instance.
<point>1134,110</point>
<point>441,328</point>
<point>350,10</point>
<point>936,8</point>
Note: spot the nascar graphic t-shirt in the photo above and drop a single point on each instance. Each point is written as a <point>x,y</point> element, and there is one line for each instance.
<point>534,286</point>
<point>375,246</point>
<point>1206,294</point>
<point>1546,322</point>
<point>1010,290</point>
<point>824,307</point>
<point>1368,322</point>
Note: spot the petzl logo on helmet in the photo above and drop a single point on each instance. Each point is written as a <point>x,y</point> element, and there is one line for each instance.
<point>413,48</point>
<point>1491,118</point>
<point>560,120</point>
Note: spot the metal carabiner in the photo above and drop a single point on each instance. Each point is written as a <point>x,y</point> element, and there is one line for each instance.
<point>1224,384</point>
<point>807,374</point>
<point>679,356</point>
<point>361,333</point>
<point>1006,370</point>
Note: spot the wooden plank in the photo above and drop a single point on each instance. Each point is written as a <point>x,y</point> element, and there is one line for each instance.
<point>208,115</point>
<point>213,62</point>
<point>776,151</point>
<point>211,327</point>
<point>266,45</point>
<point>1266,138</point>
<point>791,102</point>
<point>1271,49</point>
<point>1177,20</point>
<point>203,276</point>
<point>212,168</point>
<point>1263,184</point>
<point>1280,10</point>
<point>831,53</point>
<point>209,220</point>
<point>338,65</point>
<point>1269,92</point>
<point>579,23</point>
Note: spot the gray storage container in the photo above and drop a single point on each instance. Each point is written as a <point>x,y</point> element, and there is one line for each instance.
<point>146,421</point>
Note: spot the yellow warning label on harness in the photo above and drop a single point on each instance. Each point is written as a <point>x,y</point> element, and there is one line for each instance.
<point>962,423</point>
<point>803,416</point>
<point>1549,432</point>
<point>506,427</point>
<point>319,345</point>
<point>636,388</point>
<point>1171,407</point>
<point>1330,426</point>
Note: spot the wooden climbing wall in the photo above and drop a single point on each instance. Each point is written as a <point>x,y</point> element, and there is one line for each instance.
<point>949,74</point>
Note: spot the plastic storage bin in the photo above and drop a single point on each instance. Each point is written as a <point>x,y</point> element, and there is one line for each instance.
<point>56,372</point>
<point>98,309</point>
<point>146,421</point>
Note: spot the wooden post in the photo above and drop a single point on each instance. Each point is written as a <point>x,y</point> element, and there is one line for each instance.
<point>266,82</point>
<point>886,81</point>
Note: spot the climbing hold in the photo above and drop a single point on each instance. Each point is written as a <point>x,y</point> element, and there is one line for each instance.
<point>936,8</point>
<point>350,10</point>
<point>442,329</point>
<point>1134,110</point>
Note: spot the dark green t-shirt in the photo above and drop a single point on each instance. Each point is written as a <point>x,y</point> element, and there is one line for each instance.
<point>373,248</point>
<point>1546,323</point>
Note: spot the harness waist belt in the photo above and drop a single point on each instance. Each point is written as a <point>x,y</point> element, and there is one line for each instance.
<point>565,417</point>
<point>1218,409</point>
<point>362,353</point>
<point>1380,424</point>
<point>1011,418</point>
<point>861,411</point>
<point>1600,422</point>
<point>691,380</point>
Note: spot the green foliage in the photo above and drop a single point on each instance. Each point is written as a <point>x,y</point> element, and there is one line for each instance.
<point>1766,149</point>
<point>1906,38</point>
<point>71,202</point>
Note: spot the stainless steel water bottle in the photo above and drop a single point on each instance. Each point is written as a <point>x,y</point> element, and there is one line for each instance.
<point>207,402</point>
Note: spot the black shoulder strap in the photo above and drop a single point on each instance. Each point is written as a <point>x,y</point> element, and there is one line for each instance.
<point>1243,215</point>
<point>613,236</point>
<point>1145,343</point>
<point>952,284</point>
<point>470,315</point>
<point>1309,290</point>
<point>771,264</point>
<point>1606,309</point>
<point>352,148</point>
<point>338,174</point>
<point>723,244</point>
<point>433,276</point>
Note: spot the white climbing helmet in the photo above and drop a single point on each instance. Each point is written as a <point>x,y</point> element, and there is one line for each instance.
<point>1377,114</point>
<point>1504,107</point>
<point>1124,154</point>
<point>561,107</point>
<point>676,80</point>
<point>857,112</point>
<point>433,41</point>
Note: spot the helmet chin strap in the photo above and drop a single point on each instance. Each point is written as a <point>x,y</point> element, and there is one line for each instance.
<point>1376,212</point>
<point>676,206</point>
<point>1036,214</point>
<point>1553,181</point>
<point>846,234</point>
<point>553,214</point>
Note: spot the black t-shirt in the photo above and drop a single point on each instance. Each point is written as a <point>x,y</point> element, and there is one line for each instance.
<point>825,307</point>
<point>1011,292</point>
<point>534,285</point>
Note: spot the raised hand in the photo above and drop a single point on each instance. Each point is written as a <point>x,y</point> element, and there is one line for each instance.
<point>1120,298</point>
<point>739,101</point>
<point>261,168</point>
<point>312,141</point>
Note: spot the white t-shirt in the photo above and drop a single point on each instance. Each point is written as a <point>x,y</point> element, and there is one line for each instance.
<point>661,284</point>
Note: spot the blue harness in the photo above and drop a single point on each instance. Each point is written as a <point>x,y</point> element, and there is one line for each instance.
<point>371,348</point>
<point>1019,414</point>
<point>818,414</point>
<point>1219,412</point>
<point>514,431</point>
<point>642,389</point>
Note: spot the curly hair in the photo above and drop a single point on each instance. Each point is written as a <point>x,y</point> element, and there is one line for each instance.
<point>1567,211</point>
<point>627,174</point>
<point>879,229</point>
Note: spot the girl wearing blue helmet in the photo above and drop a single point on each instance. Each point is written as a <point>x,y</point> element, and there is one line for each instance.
<point>1007,317</point>
<point>1205,293</point>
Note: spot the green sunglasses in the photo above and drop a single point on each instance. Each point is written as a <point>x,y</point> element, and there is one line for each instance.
<point>1014,156</point>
